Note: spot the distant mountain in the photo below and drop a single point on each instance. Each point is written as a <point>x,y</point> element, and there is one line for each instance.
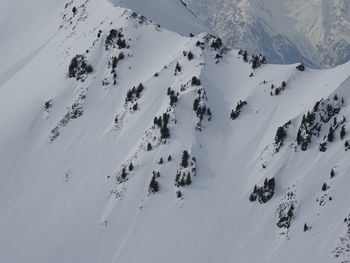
<point>286,31</point>
<point>125,140</point>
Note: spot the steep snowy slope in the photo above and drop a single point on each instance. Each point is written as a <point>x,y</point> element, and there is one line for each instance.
<point>107,89</point>
<point>316,31</point>
<point>170,14</point>
<point>21,22</point>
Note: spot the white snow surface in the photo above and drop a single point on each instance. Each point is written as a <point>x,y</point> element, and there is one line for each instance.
<point>62,199</point>
<point>170,14</point>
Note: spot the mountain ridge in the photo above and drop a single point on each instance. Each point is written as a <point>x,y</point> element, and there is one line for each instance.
<point>111,89</point>
<point>315,32</point>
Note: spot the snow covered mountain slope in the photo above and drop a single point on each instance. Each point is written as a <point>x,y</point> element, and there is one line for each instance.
<point>201,128</point>
<point>316,31</point>
<point>17,24</point>
<point>170,14</point>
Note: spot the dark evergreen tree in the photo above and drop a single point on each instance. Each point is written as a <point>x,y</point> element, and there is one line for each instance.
<point>121,56</point>
<point>161,160</point>
<point>209,113</point>
<point>306,228</point>
<point>177,68</point>
<point>245,56</point>
<point>48,105</point>
<point>169,158</point>
<point>195,104</point>
<point>182,182</point>
<point>164,132</point>
<point>157,121</point>
<point>173,97</point>
<point>184,160</point>
<point>190,55</point>
<point>178,194</point>
<point>129,95</point>
<point>324,187</point>
<point>114,62</point>
<point>188,179</point>
<point>79,67</point>
<point>113,33</point>
<point>342,132</point>
<point>323,147</point>
<point>121,43</point>
<point>271,183</point>
<point>139,90</point>
<point>131,167</point>
<point>153,186</point>
<point>149,147</point>
<point>299,138</point>
<point>236,112</point>
<point>195,81</point>
<point>330,135</point>
<point>280,136</point>
<point>301,67</point>
<point>255,62</point>
<point>265,192</point>
<point>347,145</point>
<point>177,177</point>
<point>290,213</point>
<point>216,44</point>
<point>332,173</point>
<point>166,117</point>
<point>252,197</point>
<point>124,174</point>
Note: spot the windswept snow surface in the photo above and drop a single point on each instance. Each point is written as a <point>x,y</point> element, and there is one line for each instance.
<point>170,14</point>
<point>65,139</point>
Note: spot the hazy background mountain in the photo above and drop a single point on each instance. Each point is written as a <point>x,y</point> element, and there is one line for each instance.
<point>286,31</point>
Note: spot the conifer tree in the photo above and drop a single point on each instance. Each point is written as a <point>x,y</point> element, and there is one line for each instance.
<point>124,174</point>
<point>330,135</point>
<point>178,194</point>
<point>153,186</point>
<point>188,179</point>
<point>306,228</point>
<point>184,160</point>
<point>324,187</point>
<point>342,132</point>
